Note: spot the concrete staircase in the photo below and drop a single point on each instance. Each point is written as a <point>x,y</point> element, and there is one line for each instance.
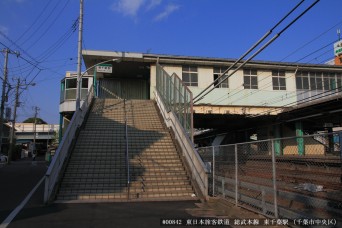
<point>97,169</point>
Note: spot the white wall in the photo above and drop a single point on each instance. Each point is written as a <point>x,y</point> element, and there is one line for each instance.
<point>236,94</point>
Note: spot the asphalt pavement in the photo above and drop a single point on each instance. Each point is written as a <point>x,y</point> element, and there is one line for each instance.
<point>20,177</point>
<point>16,181</point>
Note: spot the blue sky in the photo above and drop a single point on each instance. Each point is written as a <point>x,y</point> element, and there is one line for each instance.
<point>44,32</point>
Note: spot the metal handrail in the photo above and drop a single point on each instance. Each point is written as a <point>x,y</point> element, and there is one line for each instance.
<point>177,97</point>
<point>52,175</point>
<point>127,155</point>
<point>198,169</point>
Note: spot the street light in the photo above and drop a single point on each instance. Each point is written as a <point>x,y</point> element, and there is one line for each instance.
<point>79,80</point>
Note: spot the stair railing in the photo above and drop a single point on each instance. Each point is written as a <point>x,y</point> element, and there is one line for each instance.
<point>174,100</point>
<point>127,155</point>
<point>53,174</point>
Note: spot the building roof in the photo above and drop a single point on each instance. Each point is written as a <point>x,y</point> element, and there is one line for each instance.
<point>93,56</point>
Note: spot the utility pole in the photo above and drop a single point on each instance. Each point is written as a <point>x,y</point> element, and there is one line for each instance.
<point>10,152</point>
<point>36,109</point>
<point>79,58</point>
<point>3,96</point>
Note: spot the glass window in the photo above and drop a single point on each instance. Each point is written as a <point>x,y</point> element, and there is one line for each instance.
<point>339,81</point>
<point>217,74</point>
<point>250,79</point>
<point>302,80</point>
<point>278,80</point>
<point>71,83</point>
<point>85,83</point>
<point>190,75</point>
<point>316,81</point>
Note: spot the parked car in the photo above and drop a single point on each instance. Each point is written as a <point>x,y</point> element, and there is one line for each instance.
<point>3,158</point>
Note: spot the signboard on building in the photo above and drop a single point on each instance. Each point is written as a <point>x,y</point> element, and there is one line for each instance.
<point>338,48</point>
<point>104,68</point>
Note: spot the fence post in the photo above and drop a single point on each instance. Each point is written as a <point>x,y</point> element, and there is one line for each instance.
<point>223,190</point>
<point>263,203</point>
<point>236,176</point>
<point>213,171</point>
<point>274,181</point>
<point>340,142</point>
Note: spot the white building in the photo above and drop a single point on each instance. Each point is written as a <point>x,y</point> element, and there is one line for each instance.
<point>259,88</point>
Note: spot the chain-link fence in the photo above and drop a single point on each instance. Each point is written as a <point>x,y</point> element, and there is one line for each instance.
<point>297,177</point>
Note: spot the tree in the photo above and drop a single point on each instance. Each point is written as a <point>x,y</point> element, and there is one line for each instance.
<point>31,120</point>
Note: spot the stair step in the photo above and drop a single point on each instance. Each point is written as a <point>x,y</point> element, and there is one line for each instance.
<point>97,167</point>
<point>123,182</point>
<point>123,178</point>
<point>183,195</point>
<point>112,189</point>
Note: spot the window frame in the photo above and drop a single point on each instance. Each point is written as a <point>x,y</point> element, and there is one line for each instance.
<point>279,76</point>
<point>190,73</point>
<point>250,77</point>
<point>217,73</point>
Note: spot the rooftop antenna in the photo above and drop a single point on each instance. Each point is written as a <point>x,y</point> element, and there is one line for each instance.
<point>339,34</point>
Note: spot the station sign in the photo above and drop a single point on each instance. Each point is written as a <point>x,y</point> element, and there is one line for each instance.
<point>338,48</point>
<point>104,68</point>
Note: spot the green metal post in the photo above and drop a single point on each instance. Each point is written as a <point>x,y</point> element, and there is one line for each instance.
<point>95,83</point>
<point>277,143</point>
<point>60,133</point>
<point>300,139</point>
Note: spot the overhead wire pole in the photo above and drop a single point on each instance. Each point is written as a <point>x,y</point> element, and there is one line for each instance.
<point>3,96</point>
<point>16,105</point>
<point>79,58</point>
<point>10,152</point>
<point>36,109</point>
<point>200,96</point>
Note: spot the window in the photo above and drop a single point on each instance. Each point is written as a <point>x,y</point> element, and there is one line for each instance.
<point>71,83</point>
<point>315,81</point>
<point>329,81</point>
<point>85,83</point>
<point>302,80</point>
<point>278,80</point>
<point>250,79</point>
<point>217,73</point>
<point>339,81</point>
<point>189,75</point>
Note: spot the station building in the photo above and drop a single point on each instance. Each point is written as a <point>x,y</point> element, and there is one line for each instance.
<point>263,99</point>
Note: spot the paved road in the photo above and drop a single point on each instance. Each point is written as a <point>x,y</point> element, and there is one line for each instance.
<point>16,181</point>
<point>20,177</point>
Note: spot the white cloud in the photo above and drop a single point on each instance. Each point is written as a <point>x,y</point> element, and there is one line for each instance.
<point>153,4</point>
<point>128,7</point>
<point>4,30</point>
<point>131,8</point>
<point>169,9</point>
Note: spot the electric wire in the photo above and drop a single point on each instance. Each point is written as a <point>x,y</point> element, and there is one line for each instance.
<point>34,22</point>
<point>200,96</point>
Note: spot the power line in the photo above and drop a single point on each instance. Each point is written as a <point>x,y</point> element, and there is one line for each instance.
<point>50,26</point>
<point>314,39</point>
<point>265,86</point>
<point>200,96</point>
<point>34,22</point>
<point>35,32</point>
